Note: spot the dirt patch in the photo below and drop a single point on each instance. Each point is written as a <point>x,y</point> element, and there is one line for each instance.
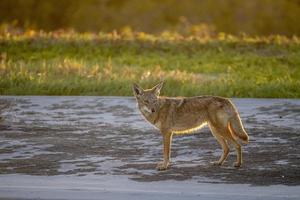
<point>100,136</point>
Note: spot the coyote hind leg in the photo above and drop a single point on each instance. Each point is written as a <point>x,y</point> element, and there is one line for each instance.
<point>238,149</point>
<point>216,133</point>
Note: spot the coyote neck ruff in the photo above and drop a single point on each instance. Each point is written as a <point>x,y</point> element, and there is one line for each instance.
<point>174,111</point>
<point>187,114</point>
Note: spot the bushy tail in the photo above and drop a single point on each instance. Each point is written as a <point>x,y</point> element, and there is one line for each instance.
<point>236,128</point>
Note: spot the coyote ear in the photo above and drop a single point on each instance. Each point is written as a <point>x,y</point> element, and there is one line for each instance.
<point>157,88</point>
<point>137,90</point>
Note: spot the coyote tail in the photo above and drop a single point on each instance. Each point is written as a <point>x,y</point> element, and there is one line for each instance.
<point>236,128</point>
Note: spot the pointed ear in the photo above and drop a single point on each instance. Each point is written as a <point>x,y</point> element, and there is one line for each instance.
<point>137,90</point>
<point>157,88</point>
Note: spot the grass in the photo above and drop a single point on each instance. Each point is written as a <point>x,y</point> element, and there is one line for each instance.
<point>69,63</point>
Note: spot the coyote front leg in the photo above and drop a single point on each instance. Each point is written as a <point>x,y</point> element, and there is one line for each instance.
<point>167,139</point>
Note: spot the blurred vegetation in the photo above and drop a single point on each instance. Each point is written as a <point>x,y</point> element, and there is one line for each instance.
<point>72,63</point>
<point>253,17</point>
<point>232,48</point>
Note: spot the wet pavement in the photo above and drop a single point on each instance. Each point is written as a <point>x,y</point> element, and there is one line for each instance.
<point>92,139</point>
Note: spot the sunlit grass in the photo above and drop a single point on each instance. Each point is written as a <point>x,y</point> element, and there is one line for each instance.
<point>70,63</point>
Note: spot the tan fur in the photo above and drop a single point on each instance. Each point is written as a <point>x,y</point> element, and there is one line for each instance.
<point>184,115</point>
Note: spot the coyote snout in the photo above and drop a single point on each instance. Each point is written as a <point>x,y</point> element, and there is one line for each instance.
<point>188,114</point>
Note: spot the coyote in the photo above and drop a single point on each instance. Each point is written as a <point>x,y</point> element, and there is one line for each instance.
<point>180,115</point>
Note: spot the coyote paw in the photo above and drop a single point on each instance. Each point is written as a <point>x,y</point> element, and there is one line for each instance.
<point>237,164</point>
<point>216,163</point>
<point>162,166</point>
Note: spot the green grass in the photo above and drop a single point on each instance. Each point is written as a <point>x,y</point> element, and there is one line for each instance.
<point>108,63</point>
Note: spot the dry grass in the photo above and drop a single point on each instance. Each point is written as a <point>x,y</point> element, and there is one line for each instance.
<point>69,63</point>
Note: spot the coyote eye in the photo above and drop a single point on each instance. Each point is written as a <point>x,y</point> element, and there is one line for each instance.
<point>146,101</point>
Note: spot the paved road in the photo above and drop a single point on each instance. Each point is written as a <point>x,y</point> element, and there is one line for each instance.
<point>101,148</point>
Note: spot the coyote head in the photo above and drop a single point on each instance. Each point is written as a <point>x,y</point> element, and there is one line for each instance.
<point>147,99</point>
